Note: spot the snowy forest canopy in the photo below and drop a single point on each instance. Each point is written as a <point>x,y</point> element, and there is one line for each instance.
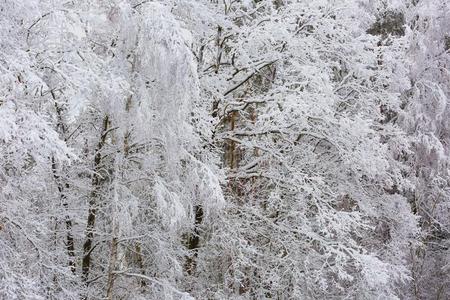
<point>224,149</point>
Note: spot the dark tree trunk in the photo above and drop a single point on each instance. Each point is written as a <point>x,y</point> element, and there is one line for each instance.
<point>70,245</point>
<point>194,240</point>
<point>96,182</point>
<point>63,187</point>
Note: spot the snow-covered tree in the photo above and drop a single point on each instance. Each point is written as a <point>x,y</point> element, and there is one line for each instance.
<point>255,149</point>
<point>297,93</point>
<point>426,122</point>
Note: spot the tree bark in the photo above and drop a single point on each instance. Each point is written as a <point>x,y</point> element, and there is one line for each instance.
<point>62,188</point>
<point>111,269</point>
<point>70,245</point>
<point>96,182</point>
<point>194,241</point>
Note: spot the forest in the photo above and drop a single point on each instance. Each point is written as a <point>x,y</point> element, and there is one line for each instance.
<point>224,149</point>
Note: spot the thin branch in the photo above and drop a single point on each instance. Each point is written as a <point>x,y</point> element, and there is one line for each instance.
<point>153,280</point>
<point>25,235</point>
<point>141,3</point>
<point>248,77</point>
<point>37,21</point>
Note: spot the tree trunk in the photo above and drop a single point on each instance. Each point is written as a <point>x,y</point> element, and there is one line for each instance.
<point>70,245</point>
<point>194,240</point>
<point>96,182</point>
<point>62,188</point>
<point>112,268</point>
